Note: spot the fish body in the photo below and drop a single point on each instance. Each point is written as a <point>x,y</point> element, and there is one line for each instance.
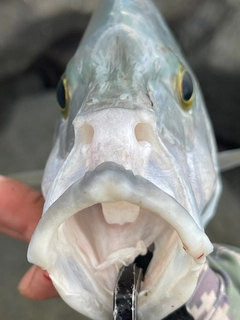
<point>133,166</point>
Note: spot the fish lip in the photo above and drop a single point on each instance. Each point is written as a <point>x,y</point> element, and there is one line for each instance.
<point>110,182</point>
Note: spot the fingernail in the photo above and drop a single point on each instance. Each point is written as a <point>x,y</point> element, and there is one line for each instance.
<point>27,279</point>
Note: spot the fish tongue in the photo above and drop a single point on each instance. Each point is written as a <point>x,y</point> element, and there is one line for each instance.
<point>120,212</point>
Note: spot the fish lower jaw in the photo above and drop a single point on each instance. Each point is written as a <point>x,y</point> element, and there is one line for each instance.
<point>84,238</point>
<point>84,265</point>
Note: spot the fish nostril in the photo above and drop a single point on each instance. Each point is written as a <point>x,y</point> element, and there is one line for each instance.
<point>86,133</point>
<point>144,133</point>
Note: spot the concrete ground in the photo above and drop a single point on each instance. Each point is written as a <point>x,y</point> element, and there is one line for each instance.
<point>29,111</point>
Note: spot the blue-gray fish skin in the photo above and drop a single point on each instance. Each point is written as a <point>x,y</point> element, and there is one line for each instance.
<point>133,164</point>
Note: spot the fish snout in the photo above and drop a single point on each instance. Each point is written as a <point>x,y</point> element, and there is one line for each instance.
<point>123,136</point>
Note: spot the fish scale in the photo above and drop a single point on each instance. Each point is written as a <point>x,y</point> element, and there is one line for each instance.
<point>133,166</point>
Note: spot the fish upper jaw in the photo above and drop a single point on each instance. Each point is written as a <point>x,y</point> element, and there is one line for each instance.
<point>127,137</point>
<point>119,135</point>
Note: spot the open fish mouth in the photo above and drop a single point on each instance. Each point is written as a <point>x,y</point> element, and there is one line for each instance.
<point>104,221</point>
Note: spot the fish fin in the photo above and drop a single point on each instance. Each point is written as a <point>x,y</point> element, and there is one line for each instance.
<point>32,178</point>
<point>229,159</point>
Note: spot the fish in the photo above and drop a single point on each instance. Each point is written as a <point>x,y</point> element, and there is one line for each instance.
<point>134,166</point>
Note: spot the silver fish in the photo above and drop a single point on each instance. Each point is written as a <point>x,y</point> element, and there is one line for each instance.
<point>134,165</point>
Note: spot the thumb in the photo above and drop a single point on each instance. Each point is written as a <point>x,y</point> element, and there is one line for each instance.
<point>37,285</point>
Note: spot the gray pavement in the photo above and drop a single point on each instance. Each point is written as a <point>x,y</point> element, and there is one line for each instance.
<point>29,109</point>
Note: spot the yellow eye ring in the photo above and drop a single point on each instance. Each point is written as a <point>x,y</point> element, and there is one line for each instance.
<point>63,96</point>
<point>185,88</point>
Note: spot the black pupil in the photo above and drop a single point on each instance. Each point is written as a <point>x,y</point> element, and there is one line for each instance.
<point>61,98</point>
<point>187,87</point>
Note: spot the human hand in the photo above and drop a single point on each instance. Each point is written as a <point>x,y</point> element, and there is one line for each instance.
<point>20,210</point>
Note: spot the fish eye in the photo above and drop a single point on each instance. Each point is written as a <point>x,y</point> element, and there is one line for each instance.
<point>185,88</point>
<point>63,96</point>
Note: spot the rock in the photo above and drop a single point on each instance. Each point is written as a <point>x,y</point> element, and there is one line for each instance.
<point>27,140</point>
<point>224,50</point>
<point>29,27</point>
<point>222,95</point>
<point>224,228</point>
<point>198,30</point>
<point>174,10</point>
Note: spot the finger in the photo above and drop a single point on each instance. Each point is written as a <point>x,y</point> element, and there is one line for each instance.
<point>20,208</point>
<point>37,285</point>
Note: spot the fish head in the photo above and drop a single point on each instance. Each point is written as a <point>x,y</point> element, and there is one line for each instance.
<point>133,167</point>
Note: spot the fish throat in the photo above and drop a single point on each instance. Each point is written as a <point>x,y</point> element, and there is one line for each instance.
<point>106,247</point>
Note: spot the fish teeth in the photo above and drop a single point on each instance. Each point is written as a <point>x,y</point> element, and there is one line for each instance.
<point>120,212</point>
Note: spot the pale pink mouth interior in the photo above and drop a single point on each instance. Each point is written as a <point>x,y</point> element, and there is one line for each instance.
<point>106,247</point>
<point>104,221</point>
